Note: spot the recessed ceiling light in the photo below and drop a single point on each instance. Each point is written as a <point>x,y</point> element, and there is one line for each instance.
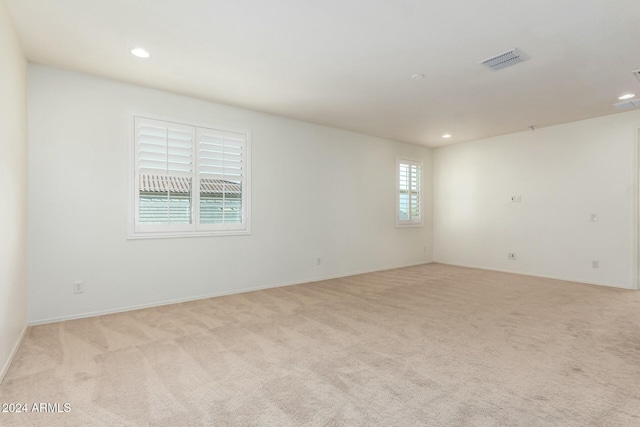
<point>139,52</point>
<point>417,76</point>
<point>627,96</point>
<point>446,135</point>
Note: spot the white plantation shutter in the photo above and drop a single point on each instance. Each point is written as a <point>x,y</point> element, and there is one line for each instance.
<point>221,154</point>
<point>222,172</point>
<point>164,158</point>
<point>164,148</point>
<point>415,191</point>
<point>409,201</point>
<point>189,179</point>
<point>403,191</point>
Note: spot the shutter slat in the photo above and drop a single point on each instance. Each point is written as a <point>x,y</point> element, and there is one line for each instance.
<point>205,157</point>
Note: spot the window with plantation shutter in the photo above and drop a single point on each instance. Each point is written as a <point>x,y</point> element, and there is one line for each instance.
<point>189,180</point>
<point>409,193</point>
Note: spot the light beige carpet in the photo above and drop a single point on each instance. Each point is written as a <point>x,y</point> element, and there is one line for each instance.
<point>427,345</point>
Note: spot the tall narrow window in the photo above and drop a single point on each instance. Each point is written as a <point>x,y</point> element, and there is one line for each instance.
<point>189,180</point>
<point>409,193</point>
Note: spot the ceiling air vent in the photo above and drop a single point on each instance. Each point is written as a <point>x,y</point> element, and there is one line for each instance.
<point>628,105</point>
<point>504,60</point>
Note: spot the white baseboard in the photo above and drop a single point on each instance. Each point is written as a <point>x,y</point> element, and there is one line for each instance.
<point>5,368</point>
<point>543,276</point>
<point>212,295</point>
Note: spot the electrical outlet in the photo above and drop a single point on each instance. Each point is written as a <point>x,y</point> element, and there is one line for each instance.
<point>78,287</point>
<point>595,264</point>
<point>516,199</point>
<point>318,261</point>
<point>511,256</point>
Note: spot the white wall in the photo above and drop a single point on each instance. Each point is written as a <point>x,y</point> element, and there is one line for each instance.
<point>564,174</point>
<point>317,192</point>
<point>13,182</point>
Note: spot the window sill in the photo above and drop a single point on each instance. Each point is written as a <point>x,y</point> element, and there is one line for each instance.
<point>413,225</point>
<point>156,235</point>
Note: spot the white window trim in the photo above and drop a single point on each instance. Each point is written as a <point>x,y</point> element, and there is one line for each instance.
<point>409,223</point>
<point>133,233</point>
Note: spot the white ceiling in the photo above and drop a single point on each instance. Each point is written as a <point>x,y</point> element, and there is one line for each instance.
<point>347,63</point>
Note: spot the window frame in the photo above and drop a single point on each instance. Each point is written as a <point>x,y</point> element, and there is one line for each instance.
<point>409,223</point>
<point>195,229</point>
